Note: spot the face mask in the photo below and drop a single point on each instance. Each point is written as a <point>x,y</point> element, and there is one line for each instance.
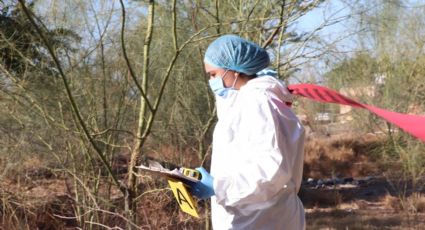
<point>217,86</point>
<point>225,97</point>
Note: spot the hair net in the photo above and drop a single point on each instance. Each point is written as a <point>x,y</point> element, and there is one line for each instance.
<point>235,53</point>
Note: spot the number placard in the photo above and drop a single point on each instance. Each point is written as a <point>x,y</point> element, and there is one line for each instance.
<point>183,197</point>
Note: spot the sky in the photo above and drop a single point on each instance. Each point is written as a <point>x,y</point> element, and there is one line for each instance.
<point>318,15</point>
<point>337,34</point>
<point>341,37</point>
<point>337,39</point>
<point>334,10</point>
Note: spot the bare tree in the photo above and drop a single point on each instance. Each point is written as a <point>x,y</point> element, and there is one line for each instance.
<point>136,85</point>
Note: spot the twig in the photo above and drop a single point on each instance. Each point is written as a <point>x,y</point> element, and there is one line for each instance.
<point>102,225</point>
<point>127,61</point>
<point>271,37</point>
<point>70,96</point>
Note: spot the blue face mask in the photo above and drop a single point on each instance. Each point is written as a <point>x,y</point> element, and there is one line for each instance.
<point>217,86</point>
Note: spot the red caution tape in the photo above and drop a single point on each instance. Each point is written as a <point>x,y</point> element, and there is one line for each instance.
<point>413,124</point>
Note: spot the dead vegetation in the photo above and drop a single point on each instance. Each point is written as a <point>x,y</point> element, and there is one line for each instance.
<point>391,200</point>
<point>42,198</point>
<point>49,204</point>
<point>414,203</point>
<point>338,155</point>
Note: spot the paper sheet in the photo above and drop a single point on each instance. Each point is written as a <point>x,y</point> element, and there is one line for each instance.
<point>156,168</point>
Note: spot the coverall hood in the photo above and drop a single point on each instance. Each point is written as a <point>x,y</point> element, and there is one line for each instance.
<point>272,85</point>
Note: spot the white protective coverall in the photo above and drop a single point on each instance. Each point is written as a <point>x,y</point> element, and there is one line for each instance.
<point>257,159</point>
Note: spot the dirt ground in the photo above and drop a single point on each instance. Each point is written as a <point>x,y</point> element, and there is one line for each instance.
<point>376,204</point>
<point>379,196</point>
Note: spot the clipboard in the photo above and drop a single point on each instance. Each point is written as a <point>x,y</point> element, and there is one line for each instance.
<point>178,183</point>
<point>157,169</point>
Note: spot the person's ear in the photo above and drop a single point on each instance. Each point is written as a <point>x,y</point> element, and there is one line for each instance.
<point>236,74</point>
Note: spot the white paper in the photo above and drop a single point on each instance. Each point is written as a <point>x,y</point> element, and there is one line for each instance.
<point>157,168</point>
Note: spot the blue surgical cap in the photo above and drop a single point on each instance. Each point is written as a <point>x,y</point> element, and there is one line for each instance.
<point>235,53</point>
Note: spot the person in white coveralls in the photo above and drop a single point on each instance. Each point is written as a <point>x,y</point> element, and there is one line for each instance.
<point>258,142</point>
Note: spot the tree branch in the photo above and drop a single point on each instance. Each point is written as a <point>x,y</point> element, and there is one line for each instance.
<point>70,96</point>
<point>276,31</point>
<point>127,61</point>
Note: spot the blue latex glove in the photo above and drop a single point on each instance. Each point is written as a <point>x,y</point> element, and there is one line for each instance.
<point>203,189</point>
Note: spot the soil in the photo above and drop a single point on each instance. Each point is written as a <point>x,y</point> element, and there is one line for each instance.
<point>376,204</point>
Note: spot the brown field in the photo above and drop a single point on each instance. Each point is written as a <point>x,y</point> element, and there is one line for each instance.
<point>42,199</point>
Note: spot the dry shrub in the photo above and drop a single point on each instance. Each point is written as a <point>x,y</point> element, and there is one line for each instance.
<point>158,209</point>
<point>349,206</point>
<point>392,203</point>
<point>414,203</point>
<point>362,204</point>
<point>173,156</point>
<point>28,168</point>
<point>341,155</point>
<point>34,206</point>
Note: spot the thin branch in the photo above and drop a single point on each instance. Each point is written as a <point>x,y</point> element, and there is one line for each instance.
<point>276,31</point>
<point>70,96</point>
<point>151,191</point>
<point>175,25</point>
<point>102,52</point>
<point>102,225</point>
<point>279,45</point>
<point>131,180</point>
<point>27,97</point>
<point>165,80</point>
<point>249,15</point>
<point>113,130</point>
<point>115,214</point>
<point>217,15</point>
<point>127,60</point>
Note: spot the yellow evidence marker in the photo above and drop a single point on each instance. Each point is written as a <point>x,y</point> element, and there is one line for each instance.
<point>183,197</point>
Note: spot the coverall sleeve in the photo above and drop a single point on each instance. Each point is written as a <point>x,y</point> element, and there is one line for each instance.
<point>263,161</point>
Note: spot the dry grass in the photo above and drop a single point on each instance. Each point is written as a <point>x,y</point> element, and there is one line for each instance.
<point>415,203</point>
<point>41,203</point>
<point>419,202</point>
<point>44,201</point>
<point>380,204</point>
<point>392,203</point>
<point>362,219</point>
<point>171,156</point>
<point>347,155</point>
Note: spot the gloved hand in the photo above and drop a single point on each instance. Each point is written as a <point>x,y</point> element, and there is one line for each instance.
<point>203,189</point>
